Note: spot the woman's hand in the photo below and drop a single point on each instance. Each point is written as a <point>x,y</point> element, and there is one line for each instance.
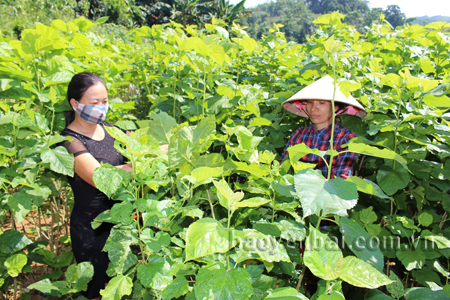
<point>165,148</point>
<point>126,167</point>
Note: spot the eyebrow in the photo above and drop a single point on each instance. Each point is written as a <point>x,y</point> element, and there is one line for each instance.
<point>99,99</point>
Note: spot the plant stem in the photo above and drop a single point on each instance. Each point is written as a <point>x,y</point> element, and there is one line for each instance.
<point>204,89</point>
<point>301,278</point>
<point>210,204</point>
<point>332,121</point>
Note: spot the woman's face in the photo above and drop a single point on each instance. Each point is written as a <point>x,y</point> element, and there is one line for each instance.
<point>320,113</point>
<point>94,95</point>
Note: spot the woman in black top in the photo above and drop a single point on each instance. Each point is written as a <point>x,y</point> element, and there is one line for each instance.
<point>91,145</point>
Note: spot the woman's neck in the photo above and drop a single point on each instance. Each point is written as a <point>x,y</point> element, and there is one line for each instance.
<point>83,127</point>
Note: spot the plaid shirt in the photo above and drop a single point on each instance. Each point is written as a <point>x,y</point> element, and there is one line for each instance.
<point>342,163</point>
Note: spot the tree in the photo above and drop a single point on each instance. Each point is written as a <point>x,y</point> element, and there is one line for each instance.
<point>394,16</point>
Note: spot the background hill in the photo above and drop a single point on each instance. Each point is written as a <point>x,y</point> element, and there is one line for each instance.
<point>427,20</point>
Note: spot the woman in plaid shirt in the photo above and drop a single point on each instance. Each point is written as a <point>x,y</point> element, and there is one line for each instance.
<point>314,102</point>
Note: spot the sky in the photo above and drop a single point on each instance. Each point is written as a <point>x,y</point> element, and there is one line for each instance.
<point>411,8</point>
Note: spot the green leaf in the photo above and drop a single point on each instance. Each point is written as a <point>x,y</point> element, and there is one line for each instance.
<point>264,246</point>
<point>361,274</point>
<point>161,126</point>
<point>203,130</point>
<point>367,216</point>
<point>180,152</point>
<point>205,175</point>
<point>80,275</point>
<point>252,202</point>
<point>391,180</point>
<point>362,243</point>
<point>325,197</point>
<point>396,288</point>
<point>115,179</point>
<point>15,263</point>
<point>47,287</point>
<point>425,275</point>
<point>357,147</point>
<point>285,293</point>
<point>117,287</point>
<point>227,197</point>
<point>425,219</point>
<point>425,293</point>
<point>296,152</point>
<point>12,241</point>
<point>292,230</point>
<point>20,204</point>
<point>81,42</point>
<point>59,159</point>
<point>177,288</point>
<point>119,251</point>
<point>121,213</point>
<point>322,256</point>
<point>227,285</point>
<point>441,241</point>
<point>207,236</point>
<point>155,242</point>
<point>155,274</point>
<point>411,259</point>
<point>367,186</point>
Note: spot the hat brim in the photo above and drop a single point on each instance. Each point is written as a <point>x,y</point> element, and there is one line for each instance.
<point>322,90</point>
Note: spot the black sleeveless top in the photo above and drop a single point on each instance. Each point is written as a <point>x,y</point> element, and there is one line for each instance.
<point>88,199</point>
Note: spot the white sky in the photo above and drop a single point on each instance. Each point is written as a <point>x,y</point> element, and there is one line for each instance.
<point>411,8</point>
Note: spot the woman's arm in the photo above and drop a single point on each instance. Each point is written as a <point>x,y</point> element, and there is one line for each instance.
<point>85,165</point>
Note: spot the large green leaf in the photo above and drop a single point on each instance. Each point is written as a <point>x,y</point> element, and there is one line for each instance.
<point>367,186</point>
<point>361,274</point>
<point>207,236</point>
<point>161,126</point>
<point>357,147</point>
<point>205,175</point>
<point>263,246</point>
<point>411,258</point>
<point>325,197</point>
<point>362,243</point>
<point>155,274</point>
<point>109,179</point>
<point>80,275</point>
<point>177,288</point>
<point>392,179</point>
<point>119,251</point>
<point>15,263</point>
<point>117,287</point>
<point>47,287</point>
<point>59,159</point>
<point>20,205</point>
<point>180,152</point>
<point>12,241</point>
<point>296,152</point>
<point>203,130</point>
<point>322,256</point>
<point>225,284</point>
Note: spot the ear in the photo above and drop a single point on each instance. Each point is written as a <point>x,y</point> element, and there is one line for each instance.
<point>73,103</point>
<point>336,108</point>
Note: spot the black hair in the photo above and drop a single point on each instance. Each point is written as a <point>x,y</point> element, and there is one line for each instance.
<point>76,89</point>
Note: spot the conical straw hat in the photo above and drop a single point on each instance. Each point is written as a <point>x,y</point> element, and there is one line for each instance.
<point>322,89</point>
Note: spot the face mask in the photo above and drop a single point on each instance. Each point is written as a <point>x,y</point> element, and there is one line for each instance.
<point>92,113</point>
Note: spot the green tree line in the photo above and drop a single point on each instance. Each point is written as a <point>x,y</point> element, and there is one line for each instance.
<point>296,16</point>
